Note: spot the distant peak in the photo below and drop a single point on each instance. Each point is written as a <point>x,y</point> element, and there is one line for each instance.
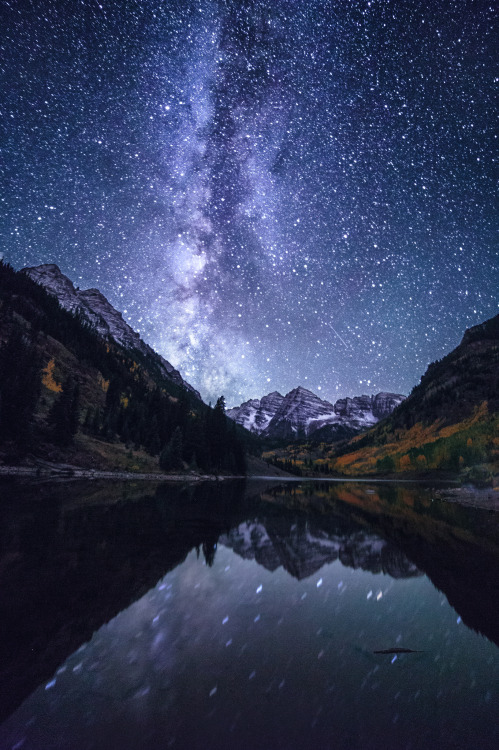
<point>250,402</point>
<point>301,390</point>
<point>93,292</point>
<point>45,268</point>
<point>489,329</point>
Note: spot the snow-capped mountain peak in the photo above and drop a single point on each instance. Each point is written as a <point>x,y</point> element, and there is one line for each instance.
<point>297,410</point>
<point>256,414</point>
<point>301,413</point>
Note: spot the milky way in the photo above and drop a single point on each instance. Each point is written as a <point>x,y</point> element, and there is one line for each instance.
<point>279,193</point>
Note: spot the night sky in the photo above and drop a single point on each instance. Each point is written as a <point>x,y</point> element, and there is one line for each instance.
<point>274,194</point>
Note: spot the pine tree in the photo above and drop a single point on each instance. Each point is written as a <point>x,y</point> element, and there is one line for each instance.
<point>217,434</point>
<point>74,415</point>
<point>19,388</point>
<point>176,448</point>
<point>64,415</point>
<point>209,552</point>
<point>171,455</point>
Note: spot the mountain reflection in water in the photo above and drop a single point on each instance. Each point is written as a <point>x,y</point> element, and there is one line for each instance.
<point>73,556</point>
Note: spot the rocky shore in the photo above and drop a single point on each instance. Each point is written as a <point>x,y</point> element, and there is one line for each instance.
<point>47,470</point>
<point>486,498</point>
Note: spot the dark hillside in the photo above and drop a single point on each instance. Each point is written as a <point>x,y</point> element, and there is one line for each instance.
<point>68,395</point>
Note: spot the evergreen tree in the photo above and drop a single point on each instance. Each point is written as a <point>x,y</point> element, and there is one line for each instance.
<point>64,415</point>
<point>237,449</point>
<point>176,448</point>
<point>171,455</point>
<point>217,434</point>
<point>74,415</point>
<point>96,422</point>
<point>112,409</point>
<point>19,388</point>
<point>209,552</point>
<point>385,465</point>
<point>89,420</point>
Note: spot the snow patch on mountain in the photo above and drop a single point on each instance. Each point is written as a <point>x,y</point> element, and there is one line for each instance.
<point>256,414</point>
<point>301,413</point>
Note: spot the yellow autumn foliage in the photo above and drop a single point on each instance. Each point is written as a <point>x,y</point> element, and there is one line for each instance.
<point>104,384</point>
<point>48,379</point>
<point>405,463</point>
<point>401,442</point>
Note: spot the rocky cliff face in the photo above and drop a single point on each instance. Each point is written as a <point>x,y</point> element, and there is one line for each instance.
<point>301,413</point>
<point>384,403</point>
<point>363,411</point>
<point>101,315</point>
<point>256,414</point>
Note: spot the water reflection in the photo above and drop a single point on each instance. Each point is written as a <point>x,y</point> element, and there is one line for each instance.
<point>303,546</point>
<point>255,610</point>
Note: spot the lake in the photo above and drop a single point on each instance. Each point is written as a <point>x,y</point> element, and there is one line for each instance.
<point>246,615</point>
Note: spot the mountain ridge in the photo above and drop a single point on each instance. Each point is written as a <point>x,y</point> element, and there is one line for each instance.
<point>301,413</point>
<point>72,397</point>
<point>101,315</point>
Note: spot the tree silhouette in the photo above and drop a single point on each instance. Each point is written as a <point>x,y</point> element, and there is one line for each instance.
<point>64,415</point>
<point>19,387</point>
<point>171,455</point>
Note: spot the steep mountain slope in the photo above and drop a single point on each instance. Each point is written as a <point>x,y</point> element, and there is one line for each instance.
<point>452,387</point>
<point>302,413</point>
<point>70,394</point>
<point>256,414</point>
<point>101,315</point>
<point>449,423</point>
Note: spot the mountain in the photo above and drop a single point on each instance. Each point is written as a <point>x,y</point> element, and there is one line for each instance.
<point>256,414</point>
<point>78,388</point>
<point>101,315</point>
<point>452,388</point>
<point>449,422</point>
<point>303,414</point>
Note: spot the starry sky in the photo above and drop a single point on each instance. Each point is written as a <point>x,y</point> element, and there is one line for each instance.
<point>279,193</point>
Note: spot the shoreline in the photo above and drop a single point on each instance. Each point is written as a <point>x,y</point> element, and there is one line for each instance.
<point>76,472</point>
<point>474,497</point>
<point>46,470</point>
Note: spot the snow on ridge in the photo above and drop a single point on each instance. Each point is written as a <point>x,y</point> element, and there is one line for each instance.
<point>302,411</point>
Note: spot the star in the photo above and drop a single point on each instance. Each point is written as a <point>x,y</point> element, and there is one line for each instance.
<point>245,179</point>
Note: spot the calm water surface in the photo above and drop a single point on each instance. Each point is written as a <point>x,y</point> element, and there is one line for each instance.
<point>247,617</point>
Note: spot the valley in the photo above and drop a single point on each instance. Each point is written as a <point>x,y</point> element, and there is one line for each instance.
<point>80,388</point>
